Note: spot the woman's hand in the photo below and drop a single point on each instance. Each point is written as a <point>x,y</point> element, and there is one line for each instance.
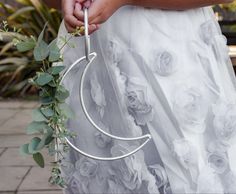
<point>101,10</point>
<point>70,19</point>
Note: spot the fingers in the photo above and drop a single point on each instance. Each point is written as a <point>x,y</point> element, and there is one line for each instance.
<point>95,10</point>
<point>74,16</point>
<point>72,22</point>
<point>87,3</point>
<point>92,28</point>
<point>78,12</point>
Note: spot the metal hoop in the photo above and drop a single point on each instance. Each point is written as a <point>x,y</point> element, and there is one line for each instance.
<point>90,57</point>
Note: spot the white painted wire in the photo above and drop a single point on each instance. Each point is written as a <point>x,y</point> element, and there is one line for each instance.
<point>90,58</point>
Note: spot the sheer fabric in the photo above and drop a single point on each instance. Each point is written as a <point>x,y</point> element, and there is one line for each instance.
<point>167,73</point>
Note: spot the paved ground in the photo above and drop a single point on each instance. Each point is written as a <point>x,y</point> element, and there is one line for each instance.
<point>20,175</point>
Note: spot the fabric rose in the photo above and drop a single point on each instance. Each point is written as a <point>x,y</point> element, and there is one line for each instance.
<point>224,121</point>
<point>101,140</point>
<point>138,107</point>
<point>164,63</point>
<point>209,182</point>
<point>137,100</point>
<point>190,108</point>
<point>67,169</point>
<point>128,170</point>
<point>229,182</point>
<point>97,94</point>
<point>208,30</point>
<point>218,161</point>
<point>114,51</point>
<point>87,167</point>
<point>160,174</point>
<point>217,146</point>
<point>185,152</point>
<point>75,183</point>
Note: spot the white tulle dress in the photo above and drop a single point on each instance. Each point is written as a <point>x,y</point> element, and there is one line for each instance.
<point>166,73</point>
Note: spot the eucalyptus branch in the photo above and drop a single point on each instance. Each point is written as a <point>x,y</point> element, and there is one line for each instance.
<point>50,118</point>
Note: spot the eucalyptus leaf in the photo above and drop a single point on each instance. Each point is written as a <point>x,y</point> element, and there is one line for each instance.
<point>47,100</point>
<point>36,127</point>
<point>33,145</point>
<point>52,84</point>
<point>26,45</point>
<point>54,51</point>
<point>54,70</point>
<point>51,148</point>
<point>38,116</point>
<point>43,79</point>
<point>62,94</point>
<point>41,35</point>
<point>46,139</point>
<point>41,51</point>
<point>24,149</point>
<point>38,158</point>
<point>47,111</point>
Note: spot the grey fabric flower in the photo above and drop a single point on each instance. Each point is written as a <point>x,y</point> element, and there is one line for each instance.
<point>114,51</point>
<point>185,152</point>
<point>164,63</point>
<point>190,108</point>
<point>208,30</point>
<point>209,182</point>
<point>218,161</point>
<point>138,107</point>
<point>87,167</point>
<point>217,146</point>
<point>229,182</point>
<point>224,121</point>
<point>160,174</point>
<point>67,169</point>
<point>128,170</point>
<point>102,140</point>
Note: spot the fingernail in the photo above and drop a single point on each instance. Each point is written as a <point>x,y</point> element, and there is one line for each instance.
<point>93,26</point>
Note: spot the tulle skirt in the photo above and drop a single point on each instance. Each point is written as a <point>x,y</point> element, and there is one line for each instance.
<point>158,72</point>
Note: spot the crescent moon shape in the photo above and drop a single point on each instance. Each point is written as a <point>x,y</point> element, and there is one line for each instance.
<point>90,57</point>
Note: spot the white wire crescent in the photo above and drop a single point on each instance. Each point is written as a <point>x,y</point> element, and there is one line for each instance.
<point>90,57</point>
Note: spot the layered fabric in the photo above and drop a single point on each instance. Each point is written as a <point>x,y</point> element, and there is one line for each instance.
<point>158,72</point>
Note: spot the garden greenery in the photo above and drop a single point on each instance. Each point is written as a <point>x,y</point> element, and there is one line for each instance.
<point>50,118</point>
<point>17,67</point>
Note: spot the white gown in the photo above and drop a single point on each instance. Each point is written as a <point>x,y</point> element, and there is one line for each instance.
<point>167,73</point>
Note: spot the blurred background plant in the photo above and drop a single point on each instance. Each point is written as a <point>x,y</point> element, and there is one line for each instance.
<point>16,68</point>
<point>227,18</point>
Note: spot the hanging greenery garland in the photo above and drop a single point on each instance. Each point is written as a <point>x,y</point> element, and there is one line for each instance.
<point>50,118</point>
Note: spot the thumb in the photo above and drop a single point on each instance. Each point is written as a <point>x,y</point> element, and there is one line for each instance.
<point>85,3</point>
<point>94,11</point>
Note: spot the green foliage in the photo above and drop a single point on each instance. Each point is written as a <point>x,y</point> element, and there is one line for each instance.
<point>30,18</point>
<point>38,158</point>
<point>230,6</point>
<point>49,119</point>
